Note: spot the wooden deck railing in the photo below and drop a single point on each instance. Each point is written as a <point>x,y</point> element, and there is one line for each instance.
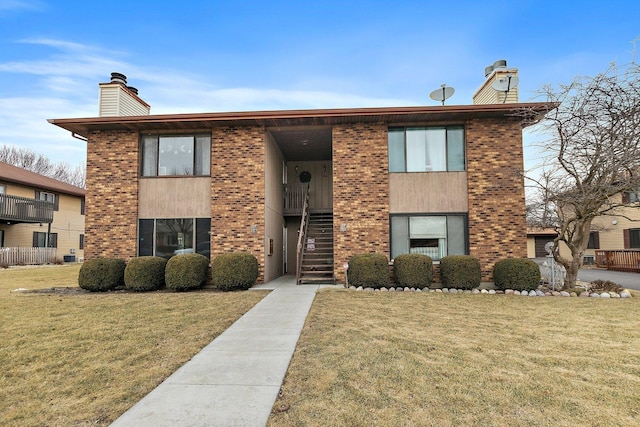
<point>27,256</point>
<point>294,198</point>
<point>23,209</point>
<point>621,260</point>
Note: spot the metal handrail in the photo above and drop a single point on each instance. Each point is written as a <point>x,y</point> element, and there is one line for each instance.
<point>304,222</point>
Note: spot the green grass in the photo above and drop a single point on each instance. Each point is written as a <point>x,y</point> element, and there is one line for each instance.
<point>84,359</point>
<point>400,359</point>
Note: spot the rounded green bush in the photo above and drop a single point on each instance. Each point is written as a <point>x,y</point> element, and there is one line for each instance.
<point>413,270</point>
<point>101,274</point>
<point>187,271</point>
<point>460,272</point>
<point>234,271</point>
<point>368,270</point>
<point>519,274</point>
<point>145,273</point>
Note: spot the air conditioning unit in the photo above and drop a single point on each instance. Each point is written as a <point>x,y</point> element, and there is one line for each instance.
<point>589,260</point>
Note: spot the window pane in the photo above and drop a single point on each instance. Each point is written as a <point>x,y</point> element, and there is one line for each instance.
<point>399,236</point>
<point>174,237</point>
<point>456,241</point>
<point>145,237</point>
<point>176,156</point>
<point>203,155</point>
<point>203,239</point>
<point>436,150</point>
<point>150,156</point>
<point>428,227</point>
<point>416,150</point>
<point>455,149</point>
<point>396,150</point>
<point>634,238</point>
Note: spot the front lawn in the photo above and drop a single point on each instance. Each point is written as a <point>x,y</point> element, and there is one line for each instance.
<point>84,359</point>
<point>432,359</point>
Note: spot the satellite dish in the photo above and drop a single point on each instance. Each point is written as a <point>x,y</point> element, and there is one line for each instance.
<point>548,247</point>
<point>441,94</point>
<point>505,84</point>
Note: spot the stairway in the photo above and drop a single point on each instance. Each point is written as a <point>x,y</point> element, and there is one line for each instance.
<point>317,256</point>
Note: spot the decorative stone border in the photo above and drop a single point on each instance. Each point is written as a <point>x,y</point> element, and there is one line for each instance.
<point>585,294</point>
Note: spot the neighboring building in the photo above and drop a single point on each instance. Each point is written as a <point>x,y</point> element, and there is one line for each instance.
<point>617,231</point>
<point>437,180</point>
<point>37,211</point>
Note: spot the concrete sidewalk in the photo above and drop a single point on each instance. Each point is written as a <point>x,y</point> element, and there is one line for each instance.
<point>235,380</point>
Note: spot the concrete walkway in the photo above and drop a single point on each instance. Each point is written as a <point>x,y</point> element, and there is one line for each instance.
<point>235,380</point>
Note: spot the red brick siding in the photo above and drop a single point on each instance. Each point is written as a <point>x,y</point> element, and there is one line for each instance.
<point>497,223</point>
<point>111,212</point>
<point>360,192</point>
<point>238,191</point>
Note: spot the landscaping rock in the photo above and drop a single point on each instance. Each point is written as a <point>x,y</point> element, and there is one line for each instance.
<point>439,291</point>
<point>540,293</point>
<point>383,289</point>
<point>594,295</point>
<point>475,291</point>
<point>584,294</point>
<point>573,294</point>
<point>418,290</point>
<point>500,292</point>
<point>605,295</point>
<point>406,289</point>
<point>352,287</point>
<point>625,294</point>
<point>555,293</point>
<point>492,291</point>
<point>445,290</point>
<point>532,293</point>
<point>484,291</point>
<point>453,291</point>
<point>399,289</point>
<point>565,294</point>
<point>508,292</point>
<point>615,295</point>
<point>392,289</point>
<point>359,288</point>
<point>467,291</point>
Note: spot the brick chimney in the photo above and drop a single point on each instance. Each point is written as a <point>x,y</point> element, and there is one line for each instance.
<point>118,99</point>
<point>502,76</point>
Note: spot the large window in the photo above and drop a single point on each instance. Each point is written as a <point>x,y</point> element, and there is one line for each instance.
<point>433,235</point>
<point>426,149</point>
<point>40,240</point>
<point>176,155</point>
<point>169,237</point>
<point>632,238</point>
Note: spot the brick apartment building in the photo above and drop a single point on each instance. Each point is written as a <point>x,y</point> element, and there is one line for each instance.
<point>437,180</point>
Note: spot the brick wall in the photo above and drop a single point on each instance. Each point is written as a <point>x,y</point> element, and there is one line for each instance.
<point>112,195</point>
<point>238,191</point>
<point>497,223</point>
<point>360,192</point>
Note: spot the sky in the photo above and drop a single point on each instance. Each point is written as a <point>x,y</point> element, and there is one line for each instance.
<point>208,56</point>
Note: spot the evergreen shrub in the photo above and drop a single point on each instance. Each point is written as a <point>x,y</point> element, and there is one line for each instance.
<point>101,274</point>
<point>460,272</point>
<point>234,271</point>
<point>413,270</point>
<point>187,271</point>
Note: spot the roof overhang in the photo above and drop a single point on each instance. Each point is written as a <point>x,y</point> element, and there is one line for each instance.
<point>282,118</point>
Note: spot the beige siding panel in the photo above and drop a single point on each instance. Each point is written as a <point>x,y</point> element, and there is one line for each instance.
<point>274,221</point>
<point>188,197</point>
<point>108,101</point>
<point>321,185</point>
<point>20,190</point>
<point>428,192</point>
<point>115,101</point>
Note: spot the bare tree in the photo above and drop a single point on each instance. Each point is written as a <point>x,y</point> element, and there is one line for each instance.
<point>31,161</point>
<point>592,156</point>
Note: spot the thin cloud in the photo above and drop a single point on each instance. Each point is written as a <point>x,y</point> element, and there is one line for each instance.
<point>21,5</point>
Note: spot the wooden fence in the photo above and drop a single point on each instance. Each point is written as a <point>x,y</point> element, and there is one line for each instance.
<point>622,260</point>
<point>27,256</point>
